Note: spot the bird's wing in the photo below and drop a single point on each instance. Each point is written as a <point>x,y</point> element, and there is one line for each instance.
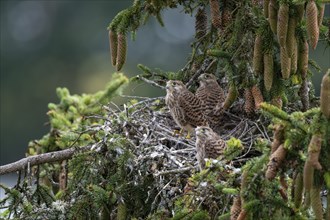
<point>193,108</point>
<point>214,147</point>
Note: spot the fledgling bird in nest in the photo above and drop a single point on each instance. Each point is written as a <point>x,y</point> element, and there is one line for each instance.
<point>211,94</point>
<point>186,109</point>
<point>208,145</point>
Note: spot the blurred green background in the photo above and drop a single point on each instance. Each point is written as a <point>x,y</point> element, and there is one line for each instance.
<point>50,44</point>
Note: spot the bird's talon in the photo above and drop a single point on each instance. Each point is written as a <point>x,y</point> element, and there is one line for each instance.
<point>179,133</point>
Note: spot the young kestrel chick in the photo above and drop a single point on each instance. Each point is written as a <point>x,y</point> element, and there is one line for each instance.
<point>208,145</point>
<point>211,94</point>
<point>186,109</point>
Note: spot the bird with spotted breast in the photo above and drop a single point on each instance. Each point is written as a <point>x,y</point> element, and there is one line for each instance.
<point>185,108</point>
<point>211,94</point>
<point>208,145</point>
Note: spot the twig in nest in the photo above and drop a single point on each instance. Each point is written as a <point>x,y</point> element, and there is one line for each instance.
<point>150,82</point>
<point>145,102</point>
<point>180,170</point>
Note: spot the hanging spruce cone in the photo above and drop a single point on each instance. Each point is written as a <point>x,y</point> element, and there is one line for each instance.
<point>277,101</point>
<point>257,96</point>
<point>278,137</point>
<point>266,5</point>
<point>272,14</point>
<point>268,70</point>
<point>314,150</point>
<point>308,177</point>
<point>321,14</point>
<point>215,13</point>
<point>291,36</point>
<point>282,24</point>
<point>304,95</point>
<point>303,58</point>
<point>231,96</point>
<point>312,23</point>
<point>242,215</point>
<point>285,63</point>
<point>226,18</point>
<point>121,51</point>
<point>121,211</point>
<point>325,95</point>
<point>113,46</point>
<point>275,161</point>
<point>200,23</point>
<point>249,102</point>
<point>257,55</point>
<point>294,57</point>
<point>316,202</point>
<point>235,209</point>
<point>312,162</point>
<point>298,190</point>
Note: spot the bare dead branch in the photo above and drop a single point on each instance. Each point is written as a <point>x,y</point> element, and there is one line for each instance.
<point>41,159</point>
<point>150,82</point>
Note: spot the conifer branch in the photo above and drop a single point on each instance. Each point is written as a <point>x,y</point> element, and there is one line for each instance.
<point>41,159</point>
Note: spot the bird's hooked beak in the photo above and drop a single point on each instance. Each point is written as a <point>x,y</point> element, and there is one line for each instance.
<point>198,130</point>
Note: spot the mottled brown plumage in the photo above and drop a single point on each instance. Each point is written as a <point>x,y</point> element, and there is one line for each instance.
<point>208,145</point>
<point>185,108</point>
<point>211,94</point>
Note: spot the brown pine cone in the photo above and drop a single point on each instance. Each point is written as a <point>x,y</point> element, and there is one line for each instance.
<point>325,95</point>
<point>121,51</point>
<point>235,209</point>
<point>113,46</point>
<point>316,202</point>
<point>249,102</point>
<point>278,137</point>
<point>285,63</point>
<point>282,24</point>
<point>257,96</point>
<point>272,13</point>
<point>268,70</point>
<point>215,13</point>
<point>200,23</point>
<point>298,190</point>
<point>275,161</point>
<point>291,36</point>
<point>277,101</point>
<point>294,57</point>
<point>312,23</point>
<point>226,18</point>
